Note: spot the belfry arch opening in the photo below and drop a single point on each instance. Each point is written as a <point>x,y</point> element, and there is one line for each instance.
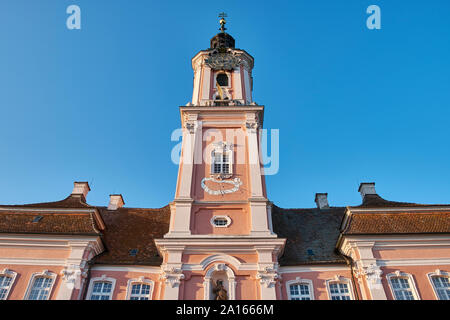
<point>222,79</point>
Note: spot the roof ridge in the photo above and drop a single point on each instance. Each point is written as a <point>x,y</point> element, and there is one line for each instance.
<point>72,201</point>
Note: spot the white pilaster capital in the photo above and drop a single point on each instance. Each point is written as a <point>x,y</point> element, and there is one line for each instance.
<point>371,272</point>
<point>72,276</point>
<point>172,276</point>
<point>268,277</point>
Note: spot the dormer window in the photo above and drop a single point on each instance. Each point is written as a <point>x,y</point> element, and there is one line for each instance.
<point>222,162</point>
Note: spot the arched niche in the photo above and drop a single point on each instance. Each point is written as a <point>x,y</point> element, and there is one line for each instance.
<point>219,271</point>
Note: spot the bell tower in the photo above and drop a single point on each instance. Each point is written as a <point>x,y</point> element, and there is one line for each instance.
<point>222,74</point>
<point>221,206</point>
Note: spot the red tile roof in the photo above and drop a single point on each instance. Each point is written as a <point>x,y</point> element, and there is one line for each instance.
<point>74,201</point>
<point>82,223</point>
<point>398,223</point>
<point>375,201</point>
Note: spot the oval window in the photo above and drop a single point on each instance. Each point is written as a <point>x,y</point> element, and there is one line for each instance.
<point>221,222</point>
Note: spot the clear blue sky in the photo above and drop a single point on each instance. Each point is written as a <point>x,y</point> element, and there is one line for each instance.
<point>99,104</point>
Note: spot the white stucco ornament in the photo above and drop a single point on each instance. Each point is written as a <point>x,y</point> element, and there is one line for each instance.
<point>236,183</point>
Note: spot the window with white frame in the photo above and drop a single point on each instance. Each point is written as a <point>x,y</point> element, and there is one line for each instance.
<point>441,286</point>
<point>40,288</point>
<point>140,291</point>
<point>339,290</point>
<point>101,290</point>
<point>402,289</point>
<point>221,162</point>
<point>221,221</point>
<point>402,286</point>
<point>300,291</point>
<point>7,278</point>
<point>222,159</point>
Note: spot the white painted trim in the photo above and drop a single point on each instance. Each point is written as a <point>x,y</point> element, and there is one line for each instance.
<point>118,268</point>
<point>394,242</point>
<point>413,262</point>
<point>220,258</point>
<point>223,236</point>
<point>50,242</point>
<point>381,239</point>
<point>437,273</point>
<point>247,243</point>
<point>208,111</point>
<point>11,274</point>
<point>412,284</point>
<point>33,262</point>
<point>103,278</point>
<point>318,268</point>
<point>199,267</point>
<point>340,279</point>
<point>299,280</point>
<point>224,123</point>
<point>45,274</point>
<point>220,217</point>
<point>140,280</point>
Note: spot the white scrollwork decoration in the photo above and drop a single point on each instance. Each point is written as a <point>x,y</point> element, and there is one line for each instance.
<point>236,183</point>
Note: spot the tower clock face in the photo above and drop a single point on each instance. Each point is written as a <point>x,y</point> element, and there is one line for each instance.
<point>220,187</point>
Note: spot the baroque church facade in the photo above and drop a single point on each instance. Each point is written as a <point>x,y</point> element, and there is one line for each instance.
<point>221,238</point>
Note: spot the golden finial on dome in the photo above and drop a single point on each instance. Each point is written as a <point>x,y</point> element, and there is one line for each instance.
<point>222,21</point>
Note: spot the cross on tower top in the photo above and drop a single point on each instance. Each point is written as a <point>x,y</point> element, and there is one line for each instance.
<point>222,21</point>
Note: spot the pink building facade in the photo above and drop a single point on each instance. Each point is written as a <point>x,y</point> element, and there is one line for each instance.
<point>221,227</point>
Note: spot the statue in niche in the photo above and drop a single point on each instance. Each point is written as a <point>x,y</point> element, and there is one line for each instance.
<point>219,291</point>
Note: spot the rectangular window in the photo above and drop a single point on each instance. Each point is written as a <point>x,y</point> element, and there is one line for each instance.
<point>101,290</point>
<point>5,283</point>
<point>226,164</point>
<point>41,288</point>
<point>140,291</point>
<point>442,286</point>
<point>300,292</point>
<point>339,291</point>
<point>402,289</point>
<point>217,168</point>
<point>221,162</point>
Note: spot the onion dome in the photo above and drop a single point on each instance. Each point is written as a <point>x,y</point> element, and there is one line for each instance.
<point>222,39</point>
